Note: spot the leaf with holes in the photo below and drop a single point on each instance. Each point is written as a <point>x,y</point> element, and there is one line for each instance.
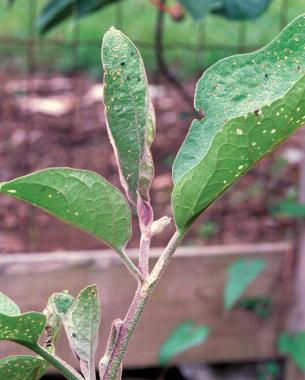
<point>23,367</point>
<point>293,345</point>
<point>252,103</point>
<point>185,336</point>
<point>78,197</point>
<point>81,322</point>
<point>129,112</point>
<point>241,274</point>
<point>57,11</point>
<point>58,304</point>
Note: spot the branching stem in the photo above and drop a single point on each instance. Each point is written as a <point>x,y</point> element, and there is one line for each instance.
<point>144,290</point>
<point>130,265</point>
<point>64,368</point>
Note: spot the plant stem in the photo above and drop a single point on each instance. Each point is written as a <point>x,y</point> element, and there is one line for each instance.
<point>144,255</point>
<point>130,265</point>
<point>144,290</point>
<point>64,368</point>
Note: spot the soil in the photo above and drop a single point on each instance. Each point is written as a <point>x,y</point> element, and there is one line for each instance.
<point>49,120</point>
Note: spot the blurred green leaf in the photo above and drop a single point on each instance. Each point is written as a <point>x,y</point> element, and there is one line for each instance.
<point>241,273</point>
<point>290,208</point>
<point>293,345</point>
<point>23,367</point>
<point>232,9</point>
<point>261,306</point>
<point>78,197</point>
<point>243,9</point>
<point>183,337</point>
<point>57,11</point>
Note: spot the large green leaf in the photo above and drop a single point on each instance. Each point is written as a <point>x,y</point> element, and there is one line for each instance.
<point>57,11</point>
<point>241,274</point>
<point>21,328</point>
<point>25,328</point>
<point>233,9</point>
<point>78,197</point>
<point>294,346</point>
<point>23,367</point>
<point>185,336</point>
<point>81,322</point>
<point>129,112</point>
<point>252,103</point>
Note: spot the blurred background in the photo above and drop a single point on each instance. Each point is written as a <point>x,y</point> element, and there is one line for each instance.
<point>51,114</point>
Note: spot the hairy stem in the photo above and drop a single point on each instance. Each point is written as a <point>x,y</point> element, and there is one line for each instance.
<point>130,265</point>
<point>64,368</point>
<point>144,255</point>
<point>144,290</point>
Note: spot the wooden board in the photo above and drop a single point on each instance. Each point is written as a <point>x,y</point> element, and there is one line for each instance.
<point>192,289</point>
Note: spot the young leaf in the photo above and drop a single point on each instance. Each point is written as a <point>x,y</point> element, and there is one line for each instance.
<point>129,112</point>
<point>23,367</point>
<point>78,197</point>
<point>241,274</point>
<point>81,322</point>
<point>7,306</point>
<point>183,337</point>
<point>200,8</point>
<point>294,346</point>
<point>252,103</point>
<point>62,301</point>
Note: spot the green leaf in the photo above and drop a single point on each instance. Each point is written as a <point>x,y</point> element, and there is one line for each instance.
<point>200,8</point>
<point>232,9</point>
<point>243,9</point>
<point>252,103</point>
<point>25,328</point>
<point>185,336</point>
<point>23,367</point>
<point>7,306</point>
<point>294,346</point>
<point>63,301</point>
<point>57,11</point>
<point>241,274</point>
<point>289,208</point>
<point>129,112</point>
<point>78,197</point>
<point>81,323</point>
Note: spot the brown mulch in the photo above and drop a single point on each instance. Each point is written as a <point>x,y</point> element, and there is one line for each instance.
<point>59,121</point>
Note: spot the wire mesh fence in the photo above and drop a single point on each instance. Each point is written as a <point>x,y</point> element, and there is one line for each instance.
<point>51,113</point>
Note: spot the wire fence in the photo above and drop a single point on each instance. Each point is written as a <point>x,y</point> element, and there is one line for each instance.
<point>47,119</point>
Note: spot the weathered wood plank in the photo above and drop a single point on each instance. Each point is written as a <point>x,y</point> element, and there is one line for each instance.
<point>191,290</point>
